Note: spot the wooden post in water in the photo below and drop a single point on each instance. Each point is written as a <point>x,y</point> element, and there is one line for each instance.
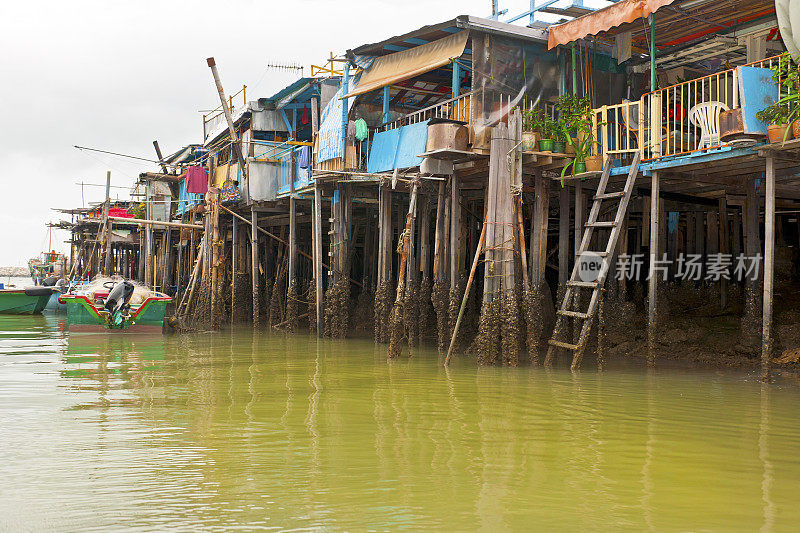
<point>455,230</point>
<point>254,263</point>
<point>292,240</point>
<point>385,234</point>
<point>234,266</point>
<point>655,218</point>
<point>424,239</point>
<point>318,258</point>
<point>769,268</point>
<point>396,320</point>
<point>439,268</point>
<point>539,225</point>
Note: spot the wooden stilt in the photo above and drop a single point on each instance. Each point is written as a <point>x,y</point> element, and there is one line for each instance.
<point>292,240</point>
<point>563,238</point>
<point>254,264</point>
<point>723,247</point>
<point>234,267</point>
<point>148,257</point>
<point>539,228</point>
<point>655,252</point>
<point>455,230</point>
<point>439,255</point>
<point>317,258</point>
<point>769,266</point>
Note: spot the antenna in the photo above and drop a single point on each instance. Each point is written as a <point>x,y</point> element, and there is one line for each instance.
<point>285,66</point>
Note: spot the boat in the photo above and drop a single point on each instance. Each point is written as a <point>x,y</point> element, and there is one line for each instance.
<point>49,264</point>
<point>28,301</point>
<point>113,308</point>
<point>61,286</point>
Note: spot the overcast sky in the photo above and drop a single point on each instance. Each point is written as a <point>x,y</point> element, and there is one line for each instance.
<point>117,75</point>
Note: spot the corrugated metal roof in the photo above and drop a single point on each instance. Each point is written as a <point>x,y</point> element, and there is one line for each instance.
<point>437,31</point>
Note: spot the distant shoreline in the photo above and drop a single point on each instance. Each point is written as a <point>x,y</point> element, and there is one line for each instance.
<point>14,271</point>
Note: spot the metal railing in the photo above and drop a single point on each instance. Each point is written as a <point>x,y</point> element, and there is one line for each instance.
<point>668,122</point>
<point>216,116</point>
<point>459,108</point>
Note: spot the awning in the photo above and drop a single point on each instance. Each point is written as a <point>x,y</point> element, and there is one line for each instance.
<point>603,20</point>
<point>400,66</point>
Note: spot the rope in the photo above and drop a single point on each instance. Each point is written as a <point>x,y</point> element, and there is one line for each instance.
<point>401,240</point>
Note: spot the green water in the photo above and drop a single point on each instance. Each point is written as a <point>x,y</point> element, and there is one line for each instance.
<point>236,430</point>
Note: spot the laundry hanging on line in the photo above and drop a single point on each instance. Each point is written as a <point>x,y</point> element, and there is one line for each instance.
<point>196,180</point>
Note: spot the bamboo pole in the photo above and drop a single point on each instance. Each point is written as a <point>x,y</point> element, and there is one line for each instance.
<point>146,222</point>
<point>478,251</point>
<point>107,228</point>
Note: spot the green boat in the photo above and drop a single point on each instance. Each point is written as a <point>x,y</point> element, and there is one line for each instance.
<point>85,315</point>
<point>30,301</point>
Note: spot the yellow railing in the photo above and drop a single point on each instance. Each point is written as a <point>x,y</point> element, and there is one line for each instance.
<point>668,122</point>
<point>460,108</point>
<point>216,116</point>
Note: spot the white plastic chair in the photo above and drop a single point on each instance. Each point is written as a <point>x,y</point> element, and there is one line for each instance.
<point>706,117</point>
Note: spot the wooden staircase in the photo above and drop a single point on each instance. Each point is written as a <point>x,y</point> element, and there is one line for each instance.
<point>575,284</point>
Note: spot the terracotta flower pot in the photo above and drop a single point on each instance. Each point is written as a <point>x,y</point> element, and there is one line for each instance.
<point>776,132</point>
<point>796,129</point>
<point>594,163</point>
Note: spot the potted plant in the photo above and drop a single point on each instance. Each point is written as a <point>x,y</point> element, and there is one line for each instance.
<point>531,129</point>
<point>776,117</point>
<point>786,111</point>
<point>578,115</point>
<point>560,136</point>
<point>547,130</point>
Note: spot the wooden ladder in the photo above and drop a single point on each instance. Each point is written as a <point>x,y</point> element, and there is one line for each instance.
<point>568,309</point>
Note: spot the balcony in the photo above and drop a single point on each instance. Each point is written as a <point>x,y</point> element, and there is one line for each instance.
<point>684,119</point>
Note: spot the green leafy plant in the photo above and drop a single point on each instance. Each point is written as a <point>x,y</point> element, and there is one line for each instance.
<point>576,127</point>
<point>775,114</point>
<point>532,119</point>
<point>787,109</point>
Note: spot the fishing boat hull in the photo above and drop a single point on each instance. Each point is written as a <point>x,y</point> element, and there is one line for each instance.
<point>31,301</point>
<point>85,316</point>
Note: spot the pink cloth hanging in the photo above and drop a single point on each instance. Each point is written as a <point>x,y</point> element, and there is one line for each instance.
<point>196,180</point>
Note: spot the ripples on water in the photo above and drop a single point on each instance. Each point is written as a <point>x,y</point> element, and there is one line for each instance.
<point>257,431</point>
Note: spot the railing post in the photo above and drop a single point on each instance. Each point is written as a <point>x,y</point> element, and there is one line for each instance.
<point>642,101</point>
<point>604,130</point>
<point>655,123</point>
<point>456,82</point>
<point>385,114</point>
<point>735,88</point>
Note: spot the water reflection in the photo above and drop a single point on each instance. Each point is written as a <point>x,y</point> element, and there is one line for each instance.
<point>237,428</point>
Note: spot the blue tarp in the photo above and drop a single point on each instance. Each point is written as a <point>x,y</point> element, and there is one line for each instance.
<point>398,148</point>
<point>758,91</point>
<point>330,129</point>
<point>187,200</point>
